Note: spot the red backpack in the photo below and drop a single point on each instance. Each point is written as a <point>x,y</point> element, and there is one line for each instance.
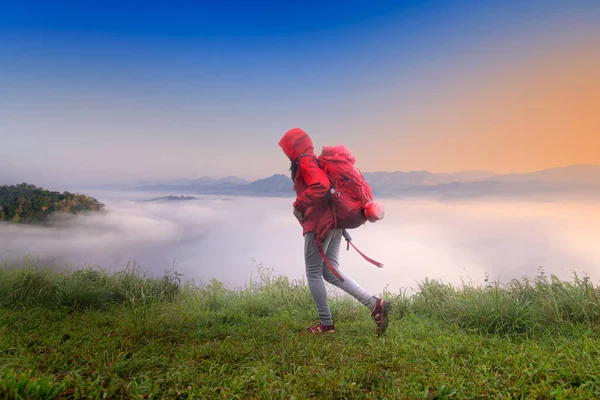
<point>351,196</point>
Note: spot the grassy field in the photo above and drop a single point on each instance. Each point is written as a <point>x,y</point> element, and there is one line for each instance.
<point>92,334</point>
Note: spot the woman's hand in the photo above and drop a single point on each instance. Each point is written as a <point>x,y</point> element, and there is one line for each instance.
<point>298,215</point>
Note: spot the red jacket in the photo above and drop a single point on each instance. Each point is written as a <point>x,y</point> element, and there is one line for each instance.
<point>310,183</point>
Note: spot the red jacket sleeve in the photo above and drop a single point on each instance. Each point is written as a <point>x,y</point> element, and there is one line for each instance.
<point>317,182</point>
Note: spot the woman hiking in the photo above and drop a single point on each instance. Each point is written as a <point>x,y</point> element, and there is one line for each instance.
<point>321,239</point>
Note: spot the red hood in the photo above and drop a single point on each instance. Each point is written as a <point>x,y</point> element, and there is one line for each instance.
<point>296,142</point>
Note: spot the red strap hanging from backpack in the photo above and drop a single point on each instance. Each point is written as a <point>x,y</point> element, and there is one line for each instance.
<point>376,263</point>
<point>349,242</point>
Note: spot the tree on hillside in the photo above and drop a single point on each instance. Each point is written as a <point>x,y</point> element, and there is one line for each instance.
<point>29,204</point>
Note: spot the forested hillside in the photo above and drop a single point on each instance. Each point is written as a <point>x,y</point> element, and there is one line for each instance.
<point>29,204</point>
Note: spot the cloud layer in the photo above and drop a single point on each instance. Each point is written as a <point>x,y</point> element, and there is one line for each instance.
<point>220,238</point>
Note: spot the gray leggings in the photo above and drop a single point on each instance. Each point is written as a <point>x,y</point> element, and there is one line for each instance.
<point>316,271</point>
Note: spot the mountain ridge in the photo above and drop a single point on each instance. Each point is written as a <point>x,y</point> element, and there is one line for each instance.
<point>579,178</point>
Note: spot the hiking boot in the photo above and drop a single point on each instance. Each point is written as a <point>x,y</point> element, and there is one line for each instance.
<point>319,327</point>
<point>380,314</point>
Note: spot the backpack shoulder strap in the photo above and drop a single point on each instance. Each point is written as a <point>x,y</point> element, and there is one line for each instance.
<point>305,155</point>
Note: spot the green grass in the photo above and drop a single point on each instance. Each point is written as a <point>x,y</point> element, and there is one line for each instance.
<point>94,334</point>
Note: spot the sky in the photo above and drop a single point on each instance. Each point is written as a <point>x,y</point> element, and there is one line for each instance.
<point>106,91</point>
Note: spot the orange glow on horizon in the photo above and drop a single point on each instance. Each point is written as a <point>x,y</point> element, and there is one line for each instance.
<point>542,112</point>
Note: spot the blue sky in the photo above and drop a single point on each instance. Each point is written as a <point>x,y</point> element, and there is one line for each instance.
<point>140,90</point>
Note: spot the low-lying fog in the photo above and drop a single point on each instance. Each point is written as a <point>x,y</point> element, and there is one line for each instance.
<point>219,237</point>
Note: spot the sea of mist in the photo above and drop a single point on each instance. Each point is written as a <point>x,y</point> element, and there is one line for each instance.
<point>227,238</point>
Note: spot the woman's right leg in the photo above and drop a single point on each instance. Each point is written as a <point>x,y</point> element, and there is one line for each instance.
<point>348,285</point>
<point>379,307</point>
